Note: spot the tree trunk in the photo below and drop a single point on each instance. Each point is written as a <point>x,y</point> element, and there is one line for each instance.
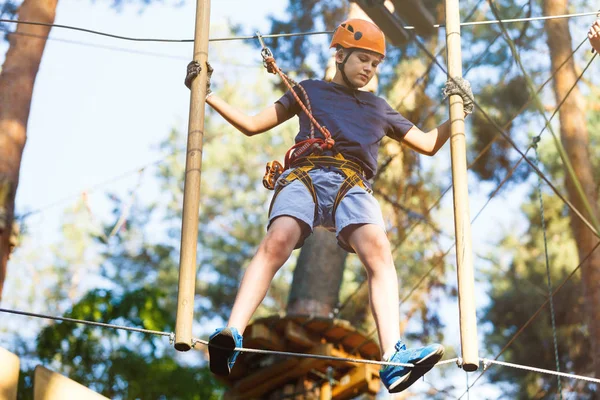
<point>575,139</point>
<point>16,88</point>
<point>318,276</point>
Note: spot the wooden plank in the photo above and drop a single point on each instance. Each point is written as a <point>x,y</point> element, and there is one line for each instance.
<point>299,336</point>
<point>9,375</point>
<point>262,337</point>
<point>267,379</point>
<point>49,385</point>
<point>359,380</point>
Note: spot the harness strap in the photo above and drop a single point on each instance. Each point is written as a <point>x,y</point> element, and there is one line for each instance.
<point>301,174</point>
<point>352,172</point>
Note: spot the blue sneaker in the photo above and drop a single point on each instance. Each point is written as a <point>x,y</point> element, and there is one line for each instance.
<point>220,350</point>
<point>396,378</point>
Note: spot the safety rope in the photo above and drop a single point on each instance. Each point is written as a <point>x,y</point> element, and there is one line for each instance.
<point>486,362</point>
<point>277,35</point>
<point>84,322</point>
<point>195,341</point>
<point>539,370</point>
<point>312,144</point>
<point>548,276</point>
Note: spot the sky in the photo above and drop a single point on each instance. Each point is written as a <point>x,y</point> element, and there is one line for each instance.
<point>101,106</point>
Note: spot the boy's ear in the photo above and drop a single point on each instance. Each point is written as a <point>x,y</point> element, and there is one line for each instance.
<point>339,55</point>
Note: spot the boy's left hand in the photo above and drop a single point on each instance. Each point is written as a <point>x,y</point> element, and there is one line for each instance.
<point>193,70</point>
<point>461,87</point>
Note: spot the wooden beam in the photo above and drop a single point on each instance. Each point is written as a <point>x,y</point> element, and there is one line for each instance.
<point>414,13</point>
<point>362,379</point>
<point>49,385</point>
<point>387,21</point>
<point>9,375</point>
<point>462,221</point>
<point>191,193</point>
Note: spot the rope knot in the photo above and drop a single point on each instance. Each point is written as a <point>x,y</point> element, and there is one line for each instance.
<point>270,65</point>
<point>328,142</point>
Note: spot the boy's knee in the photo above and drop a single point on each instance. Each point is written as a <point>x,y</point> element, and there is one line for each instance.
<point>375,249</point>
<point>281,238</point>
<point>378,245</point>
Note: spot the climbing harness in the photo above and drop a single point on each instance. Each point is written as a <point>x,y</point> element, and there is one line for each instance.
<point>306,155</point>
<point>352,172</point>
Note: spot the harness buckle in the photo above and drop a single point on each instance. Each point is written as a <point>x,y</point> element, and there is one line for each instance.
<point>273,170</point>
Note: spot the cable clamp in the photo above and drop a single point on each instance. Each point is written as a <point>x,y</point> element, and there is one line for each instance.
<point>486,363</point>
<point>459,362</point>
<point>172,338</point>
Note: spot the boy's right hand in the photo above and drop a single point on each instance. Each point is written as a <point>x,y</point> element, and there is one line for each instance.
<point>193,69</point>
<point>594,35</point>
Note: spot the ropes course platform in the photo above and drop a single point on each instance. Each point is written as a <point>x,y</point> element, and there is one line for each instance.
<point>269,376</point>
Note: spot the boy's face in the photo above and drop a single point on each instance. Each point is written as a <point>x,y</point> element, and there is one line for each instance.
<point>360,66</point>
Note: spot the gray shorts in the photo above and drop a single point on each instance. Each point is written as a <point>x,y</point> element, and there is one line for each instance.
<point>358,207</point>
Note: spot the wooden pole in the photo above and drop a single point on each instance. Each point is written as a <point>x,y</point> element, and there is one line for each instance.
<point>325,391</point>
<point>9,375</point>
<point>462,222</point>
<point>191,195</point>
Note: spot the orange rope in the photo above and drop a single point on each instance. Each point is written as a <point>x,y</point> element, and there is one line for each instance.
<point>317,144</point>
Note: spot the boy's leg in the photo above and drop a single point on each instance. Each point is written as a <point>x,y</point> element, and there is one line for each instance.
<point>273,252</point>
<point>282,236</point>
<point>373,248</point>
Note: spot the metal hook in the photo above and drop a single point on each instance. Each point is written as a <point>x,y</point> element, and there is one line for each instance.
<point>265,52</point>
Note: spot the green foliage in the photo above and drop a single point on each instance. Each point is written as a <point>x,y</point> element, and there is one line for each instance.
<point>519,290</point>
<point>121,364</point>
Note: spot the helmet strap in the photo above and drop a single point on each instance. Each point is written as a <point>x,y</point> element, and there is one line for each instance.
<point>341,68</point>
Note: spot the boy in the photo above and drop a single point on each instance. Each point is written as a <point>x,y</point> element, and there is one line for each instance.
<point>357,121</point>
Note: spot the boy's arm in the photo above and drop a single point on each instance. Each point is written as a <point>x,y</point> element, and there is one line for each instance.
<point>428,143</point>
<point>250,125</point>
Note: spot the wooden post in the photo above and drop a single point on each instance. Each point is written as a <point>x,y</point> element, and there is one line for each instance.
<point>325,393</point>
<point>9,375</point>
<point>191,195</point>
<point>462,222</point>
<point>49,385</point>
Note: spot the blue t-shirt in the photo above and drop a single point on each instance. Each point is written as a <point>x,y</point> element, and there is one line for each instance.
<point>357,120</point>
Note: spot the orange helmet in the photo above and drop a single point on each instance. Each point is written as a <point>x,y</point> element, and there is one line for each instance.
<point>359,34</point>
